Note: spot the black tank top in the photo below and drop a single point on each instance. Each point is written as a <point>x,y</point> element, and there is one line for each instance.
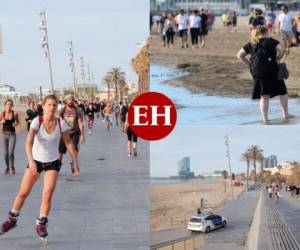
<point>8,124</point>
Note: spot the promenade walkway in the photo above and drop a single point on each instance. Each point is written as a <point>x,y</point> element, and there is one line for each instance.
<point>107,210</point>
<point>280,224</point>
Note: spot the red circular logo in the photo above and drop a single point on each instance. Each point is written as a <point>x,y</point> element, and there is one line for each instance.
<point>152,116</point>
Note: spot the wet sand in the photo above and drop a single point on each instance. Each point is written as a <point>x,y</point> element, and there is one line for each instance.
<point>172,205</point>
<point>215,70</point>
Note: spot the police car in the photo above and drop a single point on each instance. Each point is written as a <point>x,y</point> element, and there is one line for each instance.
<point>206,222</point>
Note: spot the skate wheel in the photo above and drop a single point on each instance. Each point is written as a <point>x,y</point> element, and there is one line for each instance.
<point>43,241</point>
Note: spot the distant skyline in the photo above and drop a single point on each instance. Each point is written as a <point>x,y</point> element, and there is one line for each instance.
<point>106,33</point>
<point>206,147</point>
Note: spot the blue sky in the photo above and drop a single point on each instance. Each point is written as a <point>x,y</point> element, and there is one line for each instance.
<point>105,33</point>
<point>205,146</point>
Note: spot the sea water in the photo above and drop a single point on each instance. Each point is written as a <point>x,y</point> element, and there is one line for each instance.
<point>201,109</point>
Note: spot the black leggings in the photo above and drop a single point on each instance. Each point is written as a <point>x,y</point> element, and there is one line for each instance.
<point>170,36</point>
<point>194,35</point>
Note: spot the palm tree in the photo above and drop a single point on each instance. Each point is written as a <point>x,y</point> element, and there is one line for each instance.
<point>107,80</point>
<point>224,174</point>
<point>116,76</point>
<point>247,157</point>
<point>256,154</point>
<point>122,86</point>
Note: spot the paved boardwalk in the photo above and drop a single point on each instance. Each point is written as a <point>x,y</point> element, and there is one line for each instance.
<point>280,223</point>
<point>239,214</point>
<point>108,210</point>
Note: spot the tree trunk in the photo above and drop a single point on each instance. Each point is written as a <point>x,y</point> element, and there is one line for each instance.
<point>248,166</point>
<point>254,164</point>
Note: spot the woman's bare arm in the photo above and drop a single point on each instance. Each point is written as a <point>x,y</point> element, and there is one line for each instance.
<point>242,57</point>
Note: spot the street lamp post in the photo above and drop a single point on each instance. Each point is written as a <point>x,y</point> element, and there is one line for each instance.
<point>72,65</point>
<point>83,75</point>
<point>45,44</point>
<point>89,80</point>
<point>229,163</point>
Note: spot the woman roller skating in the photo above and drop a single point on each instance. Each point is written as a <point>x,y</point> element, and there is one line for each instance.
<point>43,156</point>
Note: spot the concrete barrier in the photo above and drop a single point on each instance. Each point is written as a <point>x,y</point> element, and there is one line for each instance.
<point>253,236</point>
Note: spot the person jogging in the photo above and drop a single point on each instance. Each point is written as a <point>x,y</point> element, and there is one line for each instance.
<point>90,112</point>
<point>30,114</point>
<point>73,117</point>
<point>42,154</point>
<point>265,55</point>
<point>10,120</point>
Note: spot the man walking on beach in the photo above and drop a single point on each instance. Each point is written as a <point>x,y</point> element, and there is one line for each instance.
<point>285,28</point>
<point>182,21</point>
<point>195,21</point>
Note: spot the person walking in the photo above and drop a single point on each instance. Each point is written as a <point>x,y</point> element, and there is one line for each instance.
<point>276,193</point>
<point>132,139</point>
<point>73,117</point>
<point>117,108</point>
<point>183,24</point>
<point>30,114</point>
<point>123,114</point>
<point>108,110</point>
<point>195,22</point>
<point>42,154</point>
<point>10,120</point>
<point>285,28</point>
<point>170,26</point>
<point>265,56</point>
<point>257,19</point>
<point>90,112</point>
<point>270,191</point>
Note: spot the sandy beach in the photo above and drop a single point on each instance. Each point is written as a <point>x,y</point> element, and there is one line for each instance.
<point>172,204</point>
<point>215,70</point>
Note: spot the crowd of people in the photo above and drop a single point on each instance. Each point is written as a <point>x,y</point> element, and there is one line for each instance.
<point>285,24</point>
<point>54,127</point>
<point>194,24</point>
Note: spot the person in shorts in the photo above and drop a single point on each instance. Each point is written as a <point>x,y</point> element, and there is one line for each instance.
<point>285,28</point>
<point>73,117</point>
<point>182,21</point>
<point>42,154</point>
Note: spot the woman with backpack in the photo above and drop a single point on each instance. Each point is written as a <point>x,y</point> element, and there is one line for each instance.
<point>265,57</point>
<point>43,156</point>
<point>10,119</point>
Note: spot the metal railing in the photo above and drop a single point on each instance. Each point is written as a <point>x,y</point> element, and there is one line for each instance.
<point>186,243</point>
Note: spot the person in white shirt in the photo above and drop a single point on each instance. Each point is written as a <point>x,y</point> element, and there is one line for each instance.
<point>195,22</point>
<point>43,156</point>
<point>285,25</point>
<point>183,25</point>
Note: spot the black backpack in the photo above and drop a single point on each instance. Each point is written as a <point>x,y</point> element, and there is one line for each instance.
<point>262,63</point>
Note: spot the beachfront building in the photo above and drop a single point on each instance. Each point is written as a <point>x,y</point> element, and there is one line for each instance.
<point>218,6</point>
<point>8,91</point>
<point>184,168</point>
<point>285,169</point>
<point>268,162</point>
<point>104,94</point>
